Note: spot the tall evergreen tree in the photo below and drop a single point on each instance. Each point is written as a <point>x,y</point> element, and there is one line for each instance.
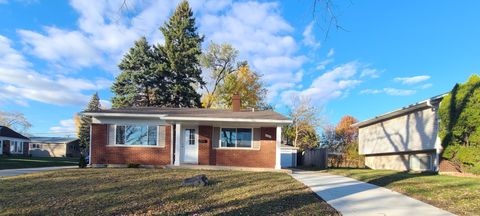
<point>141,82</point>
<point>85,121</point>
<point>181,51</point>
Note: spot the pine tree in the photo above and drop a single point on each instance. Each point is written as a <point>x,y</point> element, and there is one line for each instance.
<point>181,51</point>
<point>85,121</point>
<point>140,83</point>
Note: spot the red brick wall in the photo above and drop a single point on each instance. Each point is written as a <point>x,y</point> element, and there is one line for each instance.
<point>26,147</point>
<point>103,154</point>
<point>6,147</point>
<point>204,145</point>
<point>264,157</point>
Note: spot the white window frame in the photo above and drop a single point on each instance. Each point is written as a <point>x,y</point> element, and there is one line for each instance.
<point>236,129</point>
<point>143,146</point>
<point>16,147</point>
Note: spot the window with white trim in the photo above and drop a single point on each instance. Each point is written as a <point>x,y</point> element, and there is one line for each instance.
<point>16,146</point>
<point>142,135</point>
<point>236,138</point>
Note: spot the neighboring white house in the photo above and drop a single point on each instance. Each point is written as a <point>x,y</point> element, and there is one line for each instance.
<point>404,139</point>
<point>54,147</point>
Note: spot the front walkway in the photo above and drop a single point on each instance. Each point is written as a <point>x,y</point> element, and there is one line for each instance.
<point>15,172</point>
<point>352,197</point>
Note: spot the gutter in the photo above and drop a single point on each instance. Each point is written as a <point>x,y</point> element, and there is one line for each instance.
<point>171,118</point>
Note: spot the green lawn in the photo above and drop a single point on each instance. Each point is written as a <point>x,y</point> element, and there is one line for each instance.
<point>15,162</point>
<point>124,191</point>
<point>459,195</point>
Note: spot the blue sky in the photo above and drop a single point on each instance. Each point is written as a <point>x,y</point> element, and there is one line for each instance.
<point>55,54</point>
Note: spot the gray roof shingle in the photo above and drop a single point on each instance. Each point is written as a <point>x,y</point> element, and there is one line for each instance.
<point>7,132</point>
<point>52,139</point>
<point>199,112</point>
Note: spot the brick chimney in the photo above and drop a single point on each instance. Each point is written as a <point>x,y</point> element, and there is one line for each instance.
<point>236,103</point>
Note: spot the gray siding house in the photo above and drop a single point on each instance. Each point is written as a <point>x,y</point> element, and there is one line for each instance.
<point>405,139</point>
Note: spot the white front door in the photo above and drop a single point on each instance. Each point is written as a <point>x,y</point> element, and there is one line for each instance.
<point>190,145</point>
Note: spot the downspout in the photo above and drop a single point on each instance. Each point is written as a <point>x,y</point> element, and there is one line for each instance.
<point>90,147</point>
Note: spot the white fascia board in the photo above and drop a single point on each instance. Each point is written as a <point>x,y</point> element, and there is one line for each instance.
<point>228,120</point>
<point>122,115</point>
<point>171,118</point>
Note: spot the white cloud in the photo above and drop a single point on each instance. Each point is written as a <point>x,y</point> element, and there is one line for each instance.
<point>66,126</point>
<point>398,92</point>
<point>426,86</point>
<point>370,72</point>
<point>411,80</point>
<point>309,37</point>
<point>389,91</point>
<point>371,91</point>
<point>323,64</point>
<point>330,53</point>
<point>68,47</point>
<point>105,32</point>
<point>331,84</point>
<point>18,82</point>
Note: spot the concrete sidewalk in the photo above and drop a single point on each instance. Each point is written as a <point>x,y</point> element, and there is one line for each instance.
<point>352,197</point>
<point>15,172</point>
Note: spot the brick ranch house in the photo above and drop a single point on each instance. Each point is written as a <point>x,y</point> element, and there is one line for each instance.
<point>176,136</point>
<point>12,142</point>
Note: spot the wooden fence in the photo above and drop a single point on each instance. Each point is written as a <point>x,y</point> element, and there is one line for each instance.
<point>315,158</point>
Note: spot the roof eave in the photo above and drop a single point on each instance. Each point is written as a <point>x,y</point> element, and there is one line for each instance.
<point>187,118</point>
<point>401,111</point>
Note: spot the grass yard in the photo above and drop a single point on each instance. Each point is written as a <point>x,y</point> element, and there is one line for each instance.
<point>16,162</point>
<point>124,191</point>
<point>459,195</point>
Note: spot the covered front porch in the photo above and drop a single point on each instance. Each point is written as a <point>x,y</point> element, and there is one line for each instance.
<point>226,144</point>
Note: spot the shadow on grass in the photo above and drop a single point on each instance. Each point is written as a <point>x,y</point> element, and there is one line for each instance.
<point>399,176</point>
<point>146,191</point>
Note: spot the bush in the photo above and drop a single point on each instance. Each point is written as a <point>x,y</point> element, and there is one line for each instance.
<point>131,165</point>
<point>82,163</point>
<point>459,115</point>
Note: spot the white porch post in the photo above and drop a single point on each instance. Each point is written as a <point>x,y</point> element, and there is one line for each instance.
<point>278,142</point>
<point>178,130</point>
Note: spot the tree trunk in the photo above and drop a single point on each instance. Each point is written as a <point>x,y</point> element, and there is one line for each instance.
<point>296,137</point>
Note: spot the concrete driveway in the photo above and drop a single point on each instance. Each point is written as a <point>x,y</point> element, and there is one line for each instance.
<point>15,172</point>
<point>352,197</point>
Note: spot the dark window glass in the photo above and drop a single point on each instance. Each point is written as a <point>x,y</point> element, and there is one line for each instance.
<point>244,137</point>
<point>228,137</point>
<point>152,135</point>
<point>120,137</point>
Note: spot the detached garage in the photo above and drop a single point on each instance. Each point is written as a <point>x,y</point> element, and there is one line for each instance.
<point>54,147</point>
<point>405,139</point>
